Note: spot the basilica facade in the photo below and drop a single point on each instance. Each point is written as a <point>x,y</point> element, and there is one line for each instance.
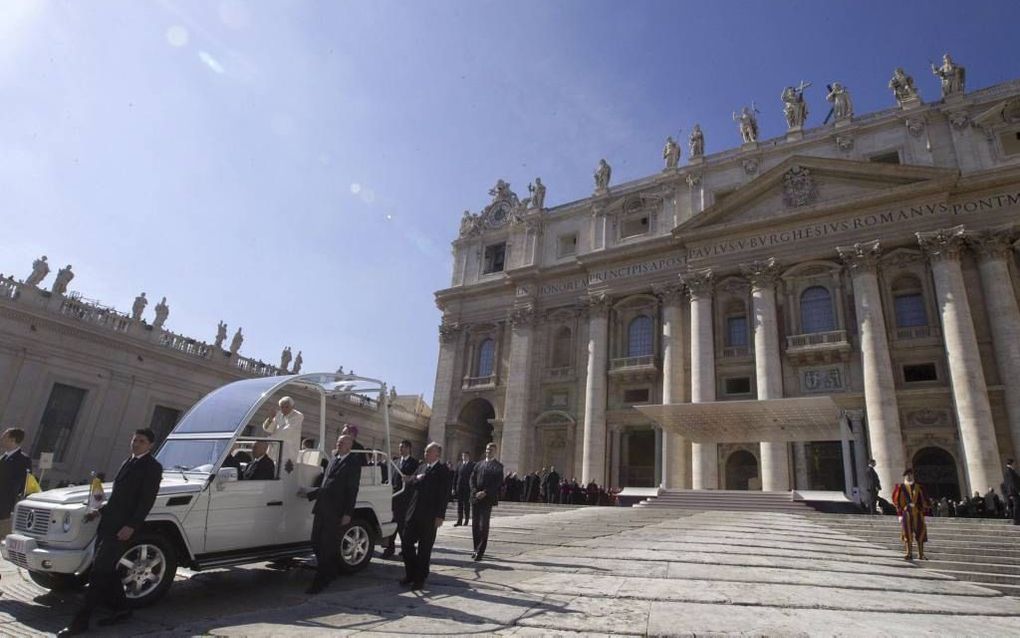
<point>768,317</point>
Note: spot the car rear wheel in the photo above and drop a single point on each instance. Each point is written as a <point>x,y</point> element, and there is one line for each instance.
<point>146,569</point>
<point>58,582</point>
<point>356,546</point>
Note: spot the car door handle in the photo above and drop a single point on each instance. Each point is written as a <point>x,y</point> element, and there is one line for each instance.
<point>274,503</point>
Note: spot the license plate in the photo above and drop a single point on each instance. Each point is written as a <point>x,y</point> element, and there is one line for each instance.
<point>17,544</point>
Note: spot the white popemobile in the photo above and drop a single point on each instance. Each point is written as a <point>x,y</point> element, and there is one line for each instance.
<point>204,517</point>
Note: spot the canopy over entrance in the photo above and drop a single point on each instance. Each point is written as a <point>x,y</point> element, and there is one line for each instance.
<point>794,419</point>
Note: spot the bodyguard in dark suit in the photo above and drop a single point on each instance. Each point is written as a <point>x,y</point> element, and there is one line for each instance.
<point>485,483</point>
<point>874,486</point>
<point>552,486</point>
<point>262,468</point>
<point>14,466</point>
<point>1011,489</point>
<point>425,513</point>
<point>408,465</point>
<point>463,489</point>
<point>122,517</point>
<point>334,500</point>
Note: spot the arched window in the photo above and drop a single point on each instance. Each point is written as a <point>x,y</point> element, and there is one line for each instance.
<point>736,325</point>
<point>639,336</point>
<point>908,303</point>
<point>816,313</point>
<point>562,343</point>
<point>486,357</point>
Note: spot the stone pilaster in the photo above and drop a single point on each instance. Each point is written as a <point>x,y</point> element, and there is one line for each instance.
<point>970,393</point>
<point>705,456</point>
<point>884,433</point>
<point>518,386</point>
<point>593,457</point>
<point>775,457</point>
<point>994,251</point>
<point>449,342</point>
<point>674,446</point>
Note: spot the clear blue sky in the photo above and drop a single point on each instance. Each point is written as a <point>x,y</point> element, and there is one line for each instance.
<point>299,168</point>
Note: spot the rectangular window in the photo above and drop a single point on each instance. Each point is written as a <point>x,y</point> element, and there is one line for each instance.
<point>58,420</point>
<point>920,372</point>
<point>1010,143</point>
<point>636,395</point>
<point>738,385</point>
<point>566,245</point>
<point>163,421</point>
<point>633,227</point>
<point>891,157</point>
<point>909,310</point>
<point>736,332</point>
<point>493,258</point>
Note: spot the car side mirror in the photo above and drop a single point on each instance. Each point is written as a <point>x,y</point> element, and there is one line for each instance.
<point>225,475</point>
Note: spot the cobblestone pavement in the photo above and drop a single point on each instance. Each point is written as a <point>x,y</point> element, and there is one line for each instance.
<point>558,571</point>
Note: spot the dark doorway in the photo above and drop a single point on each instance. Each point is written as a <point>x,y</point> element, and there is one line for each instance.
<point>935,470</point>
<point>741,467</point>
<point>637,459</point>
<point>476,417</point>
<point>825,466</point>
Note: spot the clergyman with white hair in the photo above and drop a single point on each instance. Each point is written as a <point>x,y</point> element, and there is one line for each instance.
<point>285,423</point>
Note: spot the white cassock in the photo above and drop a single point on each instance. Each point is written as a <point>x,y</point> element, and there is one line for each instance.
<point>287,428</point>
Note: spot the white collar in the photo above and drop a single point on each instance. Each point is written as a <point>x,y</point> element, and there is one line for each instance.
<point>12,452</point>
<point>135,458</point>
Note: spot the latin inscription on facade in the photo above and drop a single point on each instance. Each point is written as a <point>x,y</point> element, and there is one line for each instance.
<point>582,283</point>
<point>851,224</point>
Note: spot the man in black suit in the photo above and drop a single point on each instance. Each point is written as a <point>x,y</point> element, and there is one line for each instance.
<point>262,468</point>
<point>552,486</point>
<point>430,492</point>
<point>352,431</point>
<point>14,466</point>
<point>408,465</point>
<point>334,505</point>
<point>485,482</point>
<point>1011,489</point>
<point>463,489</point>
<point>134,491</point>
<point>874,486</point>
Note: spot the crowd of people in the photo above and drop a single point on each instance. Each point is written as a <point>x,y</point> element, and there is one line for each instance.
<point>545,486</point>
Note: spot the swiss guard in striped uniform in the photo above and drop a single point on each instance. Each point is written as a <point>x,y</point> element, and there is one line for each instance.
<point>910,502</point>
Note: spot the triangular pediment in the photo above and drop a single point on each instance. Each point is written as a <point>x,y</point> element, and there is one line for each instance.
<point>803,186</point>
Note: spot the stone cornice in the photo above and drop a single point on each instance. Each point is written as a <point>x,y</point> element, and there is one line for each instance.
<point>862,256</point>
<point>943,244</point>
<point>762,274</point>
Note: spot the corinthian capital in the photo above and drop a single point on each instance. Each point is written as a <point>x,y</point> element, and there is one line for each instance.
<point>522,317</point>
<point>993,243</point>
<point>945,243</point>
<point>449,330</point>
<point>597,305</point>
<point>672,292</point>
<point>862,256</point>
<point>762,274</point>
<point>699,282</point>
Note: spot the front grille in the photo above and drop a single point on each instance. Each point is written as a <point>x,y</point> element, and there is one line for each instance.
<point>18,559</point>
<point>33,520</point>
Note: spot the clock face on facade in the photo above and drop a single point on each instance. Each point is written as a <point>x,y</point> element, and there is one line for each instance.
<point>500,212</point>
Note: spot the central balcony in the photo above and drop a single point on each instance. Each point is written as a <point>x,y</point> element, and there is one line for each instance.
<point>818,347</point>
<point>633,368</point>
<point>479,383</point>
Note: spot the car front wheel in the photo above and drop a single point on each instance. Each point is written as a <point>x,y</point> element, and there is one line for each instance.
<point>356,546</point>
<point>146,569</point>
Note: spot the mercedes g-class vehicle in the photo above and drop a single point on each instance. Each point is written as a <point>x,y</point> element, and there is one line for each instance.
<point>204,516</point>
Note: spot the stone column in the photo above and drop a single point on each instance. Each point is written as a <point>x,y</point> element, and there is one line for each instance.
<point>657,469</point>
<point>768,367</point>
<point>705,456</point>
<point>879,387</point>
<point>614,463</point>
<point>970,394</point>
<point>994,252</point>
<point>802,481</point>
<point>518,386</point>
<point>674,446</point>
<point>446,371</point>
<point>593,458</point>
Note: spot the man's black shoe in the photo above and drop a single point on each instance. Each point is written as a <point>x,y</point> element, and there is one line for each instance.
<point>406,581</point>
<point>79,625</point>
<point>387,554</point>
<point>115,618</point>
<point>417,586</point>
<point>316,587</point>
<point>457,524</point>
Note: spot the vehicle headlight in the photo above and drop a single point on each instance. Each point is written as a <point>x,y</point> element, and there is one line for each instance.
<point>67,522</point>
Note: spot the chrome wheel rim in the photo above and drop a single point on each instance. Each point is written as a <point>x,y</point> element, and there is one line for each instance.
<point>354,545</point>
<point>141,570</point>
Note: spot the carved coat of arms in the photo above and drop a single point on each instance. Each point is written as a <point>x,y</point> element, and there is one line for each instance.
<point>799,187</point>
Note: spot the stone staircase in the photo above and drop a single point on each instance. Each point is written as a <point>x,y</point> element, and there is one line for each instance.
<point>979,550</point>
<point>727,500</point>
<point>515,508</point>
